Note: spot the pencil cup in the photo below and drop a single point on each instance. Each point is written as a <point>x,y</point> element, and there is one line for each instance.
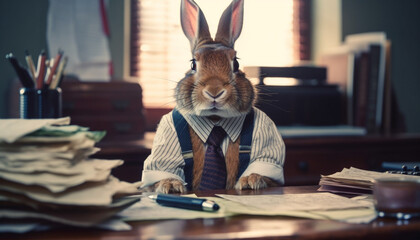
<point>50,103</point>
<point>28,106</point>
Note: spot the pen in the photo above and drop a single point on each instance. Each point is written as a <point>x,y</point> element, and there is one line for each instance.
<point>185,202</point>
<point>22,73</point>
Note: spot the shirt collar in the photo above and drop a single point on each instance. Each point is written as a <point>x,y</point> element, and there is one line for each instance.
<point>203,126</point>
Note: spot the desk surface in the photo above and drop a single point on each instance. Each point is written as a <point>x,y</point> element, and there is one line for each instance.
<point>245,227</point>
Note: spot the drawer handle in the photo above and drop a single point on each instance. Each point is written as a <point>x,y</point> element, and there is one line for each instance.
<point>303,166</point>
<point>120,104</point>
<point>122,127</point>
<point>68,105</point>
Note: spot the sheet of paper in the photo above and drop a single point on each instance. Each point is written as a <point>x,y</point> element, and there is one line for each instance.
<point>70,169</point>
<point>62,179</point>
<point>357,174</point>
<point>353,179</point>
<point>13,129</point>
<point>356,215</point>
<point>93,194</point>
<point>236,208</point>
<point>76,216</point>
<point>297,202</point>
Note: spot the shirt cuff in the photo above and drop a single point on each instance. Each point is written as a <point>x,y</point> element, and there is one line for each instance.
<point>150,177</point>
<point>266,169</point>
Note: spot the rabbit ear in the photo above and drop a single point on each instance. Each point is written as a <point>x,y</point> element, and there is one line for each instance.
<point>230,24</point>
<point>194,23</point>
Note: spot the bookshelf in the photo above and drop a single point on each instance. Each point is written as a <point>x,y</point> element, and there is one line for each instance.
<point>361,67</point>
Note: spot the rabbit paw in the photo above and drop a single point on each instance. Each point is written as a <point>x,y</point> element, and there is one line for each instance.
<point>254,181</point>
<point>169,185</point>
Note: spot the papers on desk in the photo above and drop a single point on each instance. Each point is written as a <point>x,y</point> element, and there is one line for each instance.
<point>325,206</point>
<point>47,177</point>
<point>354,181</point>
<point>297,202</point>
<point>309,205</point>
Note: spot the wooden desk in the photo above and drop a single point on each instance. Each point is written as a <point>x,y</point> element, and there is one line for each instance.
<point>245,227</point>
<point>306,158</point>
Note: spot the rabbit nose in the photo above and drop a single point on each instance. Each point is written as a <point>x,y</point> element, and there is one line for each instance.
<point>211,96</point>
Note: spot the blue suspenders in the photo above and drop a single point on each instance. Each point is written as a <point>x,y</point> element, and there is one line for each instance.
<point>184,138</point>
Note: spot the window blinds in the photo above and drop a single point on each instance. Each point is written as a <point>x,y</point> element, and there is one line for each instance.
<point>160,53</point>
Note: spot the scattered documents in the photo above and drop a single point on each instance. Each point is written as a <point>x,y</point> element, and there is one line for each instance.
<point>48,179</point>
<point>321,206</point>
<point>12,129</point>
<point>354,181</point>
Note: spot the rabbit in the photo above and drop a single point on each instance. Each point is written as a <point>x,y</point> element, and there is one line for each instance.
<point>214,88</point>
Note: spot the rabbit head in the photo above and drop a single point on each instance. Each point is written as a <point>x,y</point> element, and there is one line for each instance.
<point>214,86</point>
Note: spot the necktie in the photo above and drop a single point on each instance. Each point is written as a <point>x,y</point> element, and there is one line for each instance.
<point>214,170</point>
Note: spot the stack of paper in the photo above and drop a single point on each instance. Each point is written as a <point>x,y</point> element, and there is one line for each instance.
<point>354,181</point>
<point>46,174</point>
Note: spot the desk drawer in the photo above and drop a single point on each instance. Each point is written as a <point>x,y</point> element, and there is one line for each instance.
<point>95,103</point>
<point>115,107</point>
<point>119,127</point>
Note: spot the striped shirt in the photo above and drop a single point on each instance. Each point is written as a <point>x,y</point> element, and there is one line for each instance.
<point>166,161</point>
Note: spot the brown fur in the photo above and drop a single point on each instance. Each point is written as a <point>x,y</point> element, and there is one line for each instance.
<point>214,74</point>
<point>256,181</point>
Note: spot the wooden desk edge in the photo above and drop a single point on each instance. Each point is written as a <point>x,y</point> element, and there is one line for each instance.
<point>244,227</point>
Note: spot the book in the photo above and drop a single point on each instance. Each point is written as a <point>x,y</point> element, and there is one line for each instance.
<point>387,105</point>
<point>360,66</point>
<point>340,64</point>
<point>374,90</point>
<point>374,45</point>
<point>360,89</point>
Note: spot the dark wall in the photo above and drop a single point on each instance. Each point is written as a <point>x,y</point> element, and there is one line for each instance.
<point>22,27</point>
<point>401,22</point>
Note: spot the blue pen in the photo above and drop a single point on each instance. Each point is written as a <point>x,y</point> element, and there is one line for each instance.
<point>185,202</point>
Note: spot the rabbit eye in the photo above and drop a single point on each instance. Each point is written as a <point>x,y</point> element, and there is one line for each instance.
<point>235,65</point>
<point>193,65</point>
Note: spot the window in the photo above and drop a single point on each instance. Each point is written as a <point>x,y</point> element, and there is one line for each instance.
<point>160,52</point>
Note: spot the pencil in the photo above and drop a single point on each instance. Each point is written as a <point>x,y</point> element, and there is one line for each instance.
<point>31,65</point>
<point>57,78</point>
<point>54,66</point>
<point>40,70</point>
